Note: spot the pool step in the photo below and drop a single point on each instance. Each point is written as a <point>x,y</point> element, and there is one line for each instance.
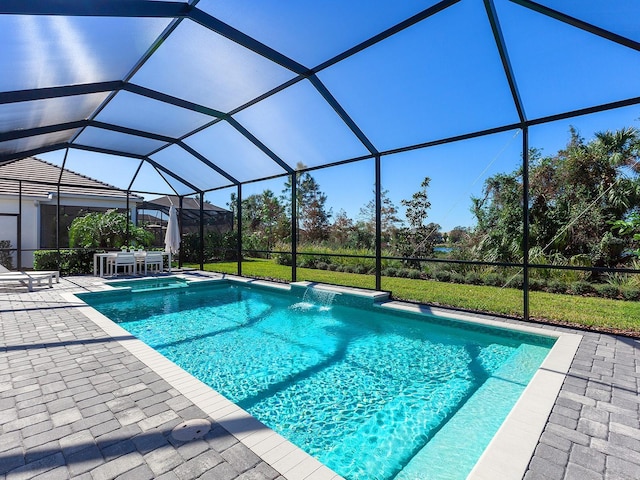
<point>473,427</point>
<point>163,287</point>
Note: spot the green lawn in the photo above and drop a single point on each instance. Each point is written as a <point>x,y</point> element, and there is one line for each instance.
<point>590,312</point>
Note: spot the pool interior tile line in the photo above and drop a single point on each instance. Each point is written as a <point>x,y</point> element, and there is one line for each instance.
<point>205,398</point>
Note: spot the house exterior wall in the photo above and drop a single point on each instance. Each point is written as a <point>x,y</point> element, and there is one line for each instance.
<point>9,227</point>
<point>30,221</point>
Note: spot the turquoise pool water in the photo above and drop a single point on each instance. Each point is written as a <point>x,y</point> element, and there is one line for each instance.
<point>370,394</point>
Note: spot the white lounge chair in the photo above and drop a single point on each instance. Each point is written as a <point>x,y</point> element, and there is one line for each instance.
<point>40,275</point>
<point>23,278</point>
<point>37,275</point>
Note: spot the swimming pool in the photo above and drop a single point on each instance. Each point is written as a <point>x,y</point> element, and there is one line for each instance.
<point>369,394</point>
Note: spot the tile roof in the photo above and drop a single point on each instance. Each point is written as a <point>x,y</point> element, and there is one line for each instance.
<point>39,178</point>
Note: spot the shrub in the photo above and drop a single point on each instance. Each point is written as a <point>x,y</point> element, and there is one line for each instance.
<point>620,280</point>
<point>415,274</point>
<point>457,277</point>
<point>536,284</point>
<point>443,276</point>
<point>46,259</point>
<point>429,274</point>
<point>314,253</point>
<point>390,272</point>
<point>515,281</point>
<point>217,246</point>
<point>322,265</point>
<point>556,286</point>
<point>493,280</point>
<point>360,268</point>
<point>581,288</point>
<point>333,267</point>
<point>630,293</point>
<point>283,259</point>
<point>606,290</point>
<point>72,262</point>
<point>386,263</point>
<point>404,272</point>
<point>307,261</point>
<point>473,278</point>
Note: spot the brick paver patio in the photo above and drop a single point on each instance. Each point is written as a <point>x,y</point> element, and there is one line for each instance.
<point>74,403</point>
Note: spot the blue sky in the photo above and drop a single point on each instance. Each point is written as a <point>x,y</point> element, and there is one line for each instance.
<point>439,78</point>
<point>457,170</point>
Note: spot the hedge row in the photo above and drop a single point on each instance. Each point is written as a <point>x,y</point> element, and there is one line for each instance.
<point>80,261</point>
<point>72,261</point>
<point>579,287</point>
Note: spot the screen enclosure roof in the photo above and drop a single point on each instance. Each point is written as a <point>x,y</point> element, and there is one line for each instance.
<point>215,93</point>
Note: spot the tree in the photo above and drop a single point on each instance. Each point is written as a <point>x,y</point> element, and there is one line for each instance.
<point>418,207</point>
<point>263,220</point>
<point>575,196</point>
<point>312,217</point>
<point>106,230</point>
<point>420,237</point>
<point>458,235</point>
<point>274,222</point>
<point>315,222</point>
<point>388,217</point>
<point>233,205</point>
<point>630,227</point>
<point>592,186</point>
<point>362,236</point>
<point>498,235</point>
<point>341,229</point>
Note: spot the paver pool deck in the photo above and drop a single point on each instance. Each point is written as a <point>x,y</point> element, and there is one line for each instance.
<point>76,401</point>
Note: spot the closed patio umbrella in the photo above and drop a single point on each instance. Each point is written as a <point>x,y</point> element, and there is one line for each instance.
<point>172,237</point>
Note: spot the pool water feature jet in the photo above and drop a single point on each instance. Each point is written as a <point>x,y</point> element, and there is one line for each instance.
<point>315,297</point>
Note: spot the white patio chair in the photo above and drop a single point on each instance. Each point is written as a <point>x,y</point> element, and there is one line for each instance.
<point>126,260</point>
<point>140,254</point>
<point>154,260</point>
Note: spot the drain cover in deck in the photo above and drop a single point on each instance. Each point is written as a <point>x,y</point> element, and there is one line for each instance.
<point>191,429</point>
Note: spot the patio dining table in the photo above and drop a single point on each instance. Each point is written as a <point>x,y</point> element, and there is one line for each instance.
<point>100,260</point>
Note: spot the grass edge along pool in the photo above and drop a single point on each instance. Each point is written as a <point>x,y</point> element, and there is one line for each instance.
<point>361,300</point>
